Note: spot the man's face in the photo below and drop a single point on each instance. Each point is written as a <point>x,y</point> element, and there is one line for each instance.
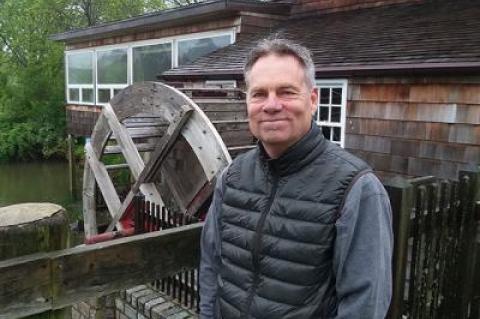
<point>280,104</point>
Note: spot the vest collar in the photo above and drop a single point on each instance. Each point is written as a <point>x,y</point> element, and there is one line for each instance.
<point>297,156</point>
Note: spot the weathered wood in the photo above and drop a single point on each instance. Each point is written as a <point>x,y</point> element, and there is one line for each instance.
<point>88,199</point>
<point>132,156</point>
<point>104,182</point>
<point>157,158</point>
<point>31,228</point>
<point>35,283</point>
<point>401,195</point>
<point>135,111</point>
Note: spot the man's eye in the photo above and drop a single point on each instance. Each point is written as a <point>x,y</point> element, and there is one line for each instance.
<point>287,93</point>
<point>258,94</point>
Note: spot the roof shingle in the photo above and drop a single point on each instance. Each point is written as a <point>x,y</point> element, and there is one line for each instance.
<point>430,35</point>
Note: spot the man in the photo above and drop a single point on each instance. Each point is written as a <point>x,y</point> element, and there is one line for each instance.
<point>298,227</point>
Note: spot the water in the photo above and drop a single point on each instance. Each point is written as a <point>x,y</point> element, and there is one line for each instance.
<point>38,182</point>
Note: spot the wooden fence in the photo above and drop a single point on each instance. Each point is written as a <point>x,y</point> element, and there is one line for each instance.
<point>435,264</point>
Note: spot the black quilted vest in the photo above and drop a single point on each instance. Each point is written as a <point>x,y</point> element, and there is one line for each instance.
<point>277,229</point>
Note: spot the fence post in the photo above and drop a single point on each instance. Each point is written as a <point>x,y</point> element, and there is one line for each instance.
<point>400,192</point>
<point>469,255</point>
<point>475,313</point>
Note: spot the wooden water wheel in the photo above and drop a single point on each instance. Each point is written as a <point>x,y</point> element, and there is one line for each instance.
<point>168,145</point>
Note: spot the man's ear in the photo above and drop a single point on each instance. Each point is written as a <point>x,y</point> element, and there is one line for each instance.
<point>314,100</point>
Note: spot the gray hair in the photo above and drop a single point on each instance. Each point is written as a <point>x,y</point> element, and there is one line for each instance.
<point>282,47</point>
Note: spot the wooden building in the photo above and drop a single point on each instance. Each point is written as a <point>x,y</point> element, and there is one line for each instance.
<point>399,80</point>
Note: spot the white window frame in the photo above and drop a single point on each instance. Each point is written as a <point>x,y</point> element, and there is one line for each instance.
<point>334,83</point>
<point>129,46</point>
<point>80,86</point>
<point>216,83</point>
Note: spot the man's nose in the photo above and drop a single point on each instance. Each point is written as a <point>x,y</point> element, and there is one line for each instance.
<point>272,104</point>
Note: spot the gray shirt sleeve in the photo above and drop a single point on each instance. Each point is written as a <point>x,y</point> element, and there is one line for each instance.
<point>363,252</point>
<point>210,255</point>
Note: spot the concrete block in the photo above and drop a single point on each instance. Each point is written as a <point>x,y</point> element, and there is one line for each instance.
<point>119,304</point>
<point>152,303</point>
<point>180,315</point>
<point>75,314</point>
<point>130,291</point>
<point>130,312</point>
<point>123,316</point>
<point>158,310</point>
<point>84,309</point>
<point>143,300</point>
<point>166,314</point>
<point>140,316</point>
<point>138,294</point>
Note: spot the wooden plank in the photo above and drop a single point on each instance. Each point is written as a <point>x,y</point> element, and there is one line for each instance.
<point>104,182</point>
<point>35,283</point>
<point>401,197</point>
<point>88,199</point>
<point>141,147</point>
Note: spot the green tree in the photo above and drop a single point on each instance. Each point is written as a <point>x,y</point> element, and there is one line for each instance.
<point>32,115</point>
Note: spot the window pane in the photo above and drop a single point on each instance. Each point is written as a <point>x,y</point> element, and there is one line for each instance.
<point>87,95</point>
<point>190,50</point>
<point>337,96</point>
<point>326,132</point>
<point>150,61</point>
<point>112,67</point>
<point>323,113</point>
<point>80,68</point>
<point>74,95</point>
<point>336,134</point>
<point>115,91</point>
<point>103,95</point>
<point>324,95</point>
<point>336,114</point>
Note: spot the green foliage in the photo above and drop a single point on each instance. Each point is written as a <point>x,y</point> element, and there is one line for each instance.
<point>32,80</point>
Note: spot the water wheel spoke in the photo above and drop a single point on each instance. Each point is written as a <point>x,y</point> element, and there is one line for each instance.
<point>103,180</point>
<point>124,140</point>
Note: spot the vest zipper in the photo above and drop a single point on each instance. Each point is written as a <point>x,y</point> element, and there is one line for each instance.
<point>258,243</point>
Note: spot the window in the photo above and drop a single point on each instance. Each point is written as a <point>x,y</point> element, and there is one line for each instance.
<point>190,50</point>
<point>149,61</point>
<point>330,115</point>
<point>80,77</point>
<point>112,73</point>
<point>96,75</point>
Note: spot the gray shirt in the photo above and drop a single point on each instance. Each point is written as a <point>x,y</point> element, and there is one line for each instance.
<point>362,252</point>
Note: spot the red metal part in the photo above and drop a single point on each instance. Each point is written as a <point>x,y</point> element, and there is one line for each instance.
<point>109,236</point>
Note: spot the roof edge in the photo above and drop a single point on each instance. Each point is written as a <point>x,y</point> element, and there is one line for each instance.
<point>174,16</point>
<point>335,71</point>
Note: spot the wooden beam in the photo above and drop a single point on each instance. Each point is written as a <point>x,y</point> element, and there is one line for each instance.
<point>104,182</point>
<point>36,283</point>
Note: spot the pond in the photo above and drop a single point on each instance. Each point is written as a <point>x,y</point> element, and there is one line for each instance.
<point>39,182</point>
